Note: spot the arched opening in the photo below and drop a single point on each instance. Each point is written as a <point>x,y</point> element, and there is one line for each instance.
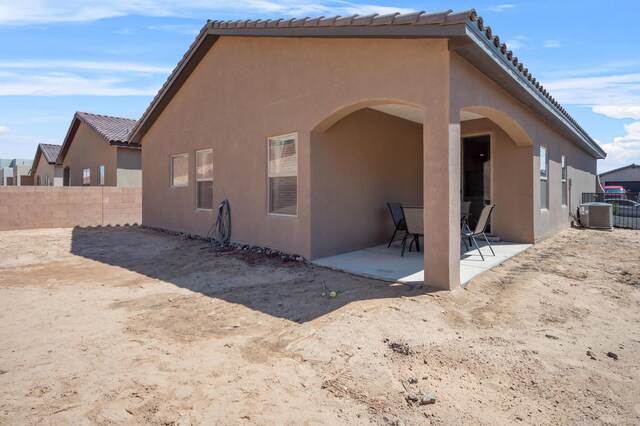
<point>66,176</point>
<point>364,156</point>
<point>497,167</point>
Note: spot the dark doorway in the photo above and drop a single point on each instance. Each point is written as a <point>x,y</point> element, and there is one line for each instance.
<point>476,174</point>
<point>65,177</point>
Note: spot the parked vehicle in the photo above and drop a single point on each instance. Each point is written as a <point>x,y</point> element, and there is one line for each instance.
<point>624,207</point>
<point>615,191</point>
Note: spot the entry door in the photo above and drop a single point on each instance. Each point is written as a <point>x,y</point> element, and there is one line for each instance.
<point>476,176</point>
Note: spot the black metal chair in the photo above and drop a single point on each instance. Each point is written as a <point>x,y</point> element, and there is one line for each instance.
<point>479,230</point>
<point>414,218</point>
<point>398,219</point>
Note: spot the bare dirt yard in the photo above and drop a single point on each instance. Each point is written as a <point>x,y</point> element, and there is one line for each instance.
<point>131,326</point>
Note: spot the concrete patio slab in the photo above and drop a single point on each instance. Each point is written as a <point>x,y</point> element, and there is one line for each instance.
<point>385,263</point>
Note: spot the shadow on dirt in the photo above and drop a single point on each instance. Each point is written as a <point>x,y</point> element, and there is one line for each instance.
<point>290,290</point>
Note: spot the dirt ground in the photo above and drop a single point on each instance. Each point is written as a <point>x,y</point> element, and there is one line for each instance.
<point>131,326</point>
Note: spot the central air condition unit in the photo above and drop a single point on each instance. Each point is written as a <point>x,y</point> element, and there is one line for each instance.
<point>596,215</point>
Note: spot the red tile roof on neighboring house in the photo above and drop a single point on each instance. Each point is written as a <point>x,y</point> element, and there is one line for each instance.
<point>114,130</point>
<point>445,24</point>
<point>49,151</point>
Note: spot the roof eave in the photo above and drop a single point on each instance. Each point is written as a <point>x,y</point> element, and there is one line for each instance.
<point>482,54</point>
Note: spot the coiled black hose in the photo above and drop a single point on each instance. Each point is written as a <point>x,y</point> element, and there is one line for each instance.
<point>219,234</point>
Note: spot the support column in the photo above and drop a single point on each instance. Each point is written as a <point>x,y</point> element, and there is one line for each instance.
<point>441,176</point>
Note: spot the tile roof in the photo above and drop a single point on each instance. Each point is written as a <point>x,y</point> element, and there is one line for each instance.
<point>370,25</point>
<point>49,151</point>
<point>112,129</point>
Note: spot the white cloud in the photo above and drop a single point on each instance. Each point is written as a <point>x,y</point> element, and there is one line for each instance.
<point>62,84</point>
<point>623,150</point>
<point>177,28</point>
<point>102,66</point>
<point>552,44</point>
<point>4,129</point>
<point>515,43</point>
<point>55,11</point>
<point>501,7</point>
<point>617,96</point>
<point>619,111</point>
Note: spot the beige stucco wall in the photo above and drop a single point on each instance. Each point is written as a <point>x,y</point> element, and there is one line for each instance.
<point>44,169</point>
<point>511,181</point>
<point>89,150</point>
<point>248,89</point>
<point>129,167</point>
<point>362,162</point>
<point>471,89</point>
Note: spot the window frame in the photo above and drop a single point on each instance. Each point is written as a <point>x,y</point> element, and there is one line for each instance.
<point>197,180</point>
<point>544,178</point>
<point>564,193</point>
<point>171,158</point>
<point>101,178</point>
<point>293,135</point>
<point>88,176</point>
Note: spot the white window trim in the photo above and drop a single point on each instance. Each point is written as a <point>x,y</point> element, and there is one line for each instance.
<point>171,185</point>
<point>545,178</point>
<point>563,180</point>
<point>286,135</point>
<point>202,180</point>
<point>89,176</point>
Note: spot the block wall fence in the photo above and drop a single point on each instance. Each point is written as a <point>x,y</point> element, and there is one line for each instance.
<point>29,207</point>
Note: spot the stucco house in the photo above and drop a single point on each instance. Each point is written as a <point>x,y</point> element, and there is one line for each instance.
<point>310,126</point>
<point>15,172</point>
<point>97,151</point>
<point>627,177</point>
<point>44,170</point>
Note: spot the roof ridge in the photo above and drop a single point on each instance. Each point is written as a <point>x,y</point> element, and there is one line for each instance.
<point>105,115</point>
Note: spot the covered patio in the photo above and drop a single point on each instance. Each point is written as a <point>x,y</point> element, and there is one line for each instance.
<point>386,263</point>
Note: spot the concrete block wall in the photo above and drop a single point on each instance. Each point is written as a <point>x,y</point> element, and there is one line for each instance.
<point>29,207</point>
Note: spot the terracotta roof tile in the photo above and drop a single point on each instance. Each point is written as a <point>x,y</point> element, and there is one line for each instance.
<point>113,129</point>
<point>49,151</point>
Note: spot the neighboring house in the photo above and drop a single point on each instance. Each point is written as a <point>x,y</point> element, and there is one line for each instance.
<point>309,126</point>
<point>15,172</point>
<point>44,171</point>
<point>627,177</point>
<point>96,151</point>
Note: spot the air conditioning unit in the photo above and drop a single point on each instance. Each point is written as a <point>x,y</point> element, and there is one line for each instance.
<point>596,215</point>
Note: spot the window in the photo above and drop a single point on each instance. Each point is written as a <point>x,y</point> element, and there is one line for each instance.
<point>204,179</point>
<point>564,181</point>
<point>101,175</point>
<point>283,175</point>
<point>38,183</point>
<point>544,178</point>
<point>47,181</point>
<point>180,170</point>
<point>86,177</point>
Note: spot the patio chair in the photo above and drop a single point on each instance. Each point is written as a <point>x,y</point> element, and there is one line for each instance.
<point>479,230</point>
<point>414,218</point>
<point>398,219</point>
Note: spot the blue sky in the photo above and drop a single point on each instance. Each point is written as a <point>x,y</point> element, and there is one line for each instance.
<point>111,57</point>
